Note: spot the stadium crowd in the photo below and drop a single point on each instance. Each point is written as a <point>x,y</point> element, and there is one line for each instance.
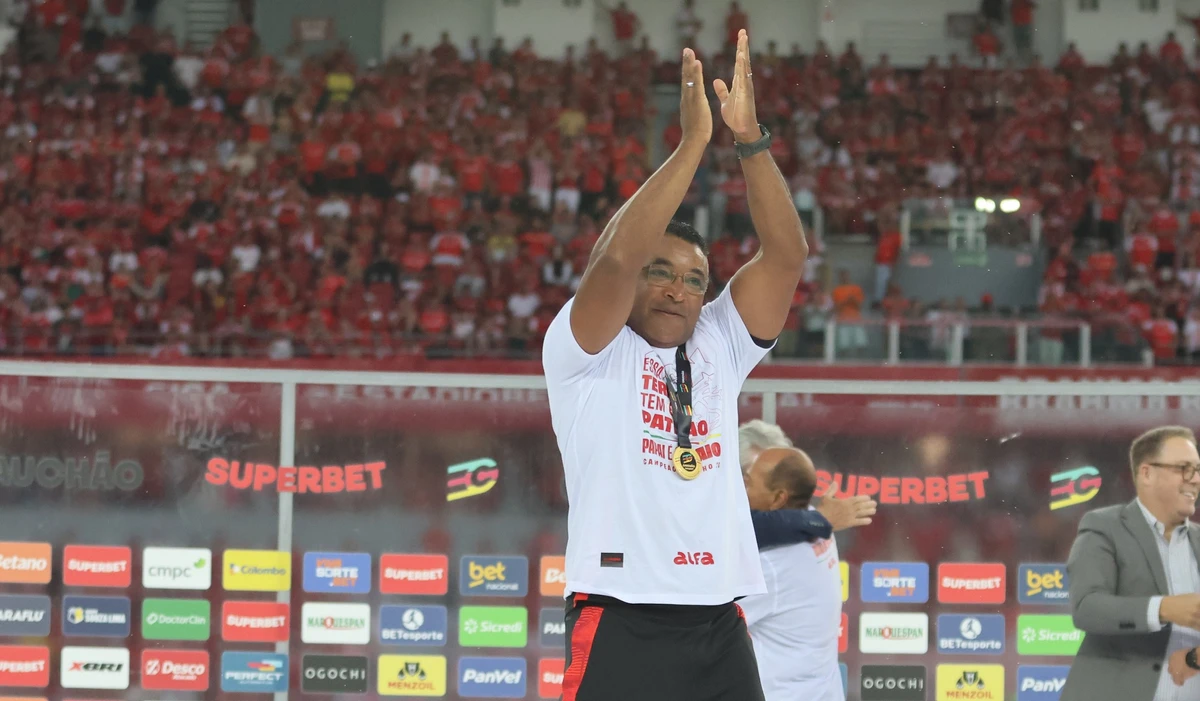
<point>169,202</point>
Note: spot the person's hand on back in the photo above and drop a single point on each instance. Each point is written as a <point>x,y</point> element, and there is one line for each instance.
<point>846,512</point>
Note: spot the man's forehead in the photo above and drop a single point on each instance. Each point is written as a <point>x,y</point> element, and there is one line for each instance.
<point>1178,449</point>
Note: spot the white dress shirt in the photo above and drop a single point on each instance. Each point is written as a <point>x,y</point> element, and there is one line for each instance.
<point>1183,577</point>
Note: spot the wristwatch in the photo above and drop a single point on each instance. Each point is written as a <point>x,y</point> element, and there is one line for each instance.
<point>1190,659</point>
<point>747,150</point>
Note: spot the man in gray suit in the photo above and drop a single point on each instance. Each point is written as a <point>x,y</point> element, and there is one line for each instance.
<point>1134,579</point>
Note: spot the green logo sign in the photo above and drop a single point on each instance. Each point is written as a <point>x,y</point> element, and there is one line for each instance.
<point>176,619</point>
<point>493,626</point>
<point>1047,635</point>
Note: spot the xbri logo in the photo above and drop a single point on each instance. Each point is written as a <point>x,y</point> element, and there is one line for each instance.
<point>892,683</point>
<point>1076,487</point>
<point>95,668</point>
<point>334,674</point>
<point>52,472</point>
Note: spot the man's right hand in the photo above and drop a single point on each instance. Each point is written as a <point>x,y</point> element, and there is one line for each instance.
<point>1181,609</point>
<point>695,112</point>
<point>846,512</point>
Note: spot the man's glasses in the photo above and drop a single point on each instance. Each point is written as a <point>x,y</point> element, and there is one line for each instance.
<point>662,276</point>
<point>1187,469</point>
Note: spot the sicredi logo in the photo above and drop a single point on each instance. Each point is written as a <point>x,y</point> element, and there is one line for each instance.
<point>892,683</point>
<point>333,674</point>
<point>492,677</point>
<point>175,670</point>
<point>414,574</point>
<point>176,619</point>
<point>1042,584</point>
<point>895,582</point>
<point>893,633</point>
<point>97,566</point>
<point>95,668</point>
<point>24,615</point>
<point>255,621</point>
<point>411,675</point>
<point>257,570</point>
<point>25,563</point>
<point>337,573</point>
<point>971,583</point>
<point>96,616</point>
<point>554,575</point>
<point>24,666</point>
<point>970,634</point>
<point>977,682</point>
<point>254,672</point>
<point>552,627</point>
<point>177,568</point>
<point>1041,682</point>
<point>336,624</point>
<point>490,575</point>
<point>1047,635</point>
<point>412,625</point>
<point>493,626</point>
<point>550,678</point>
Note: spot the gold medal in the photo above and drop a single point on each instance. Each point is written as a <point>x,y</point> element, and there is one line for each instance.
<point>687,463</point>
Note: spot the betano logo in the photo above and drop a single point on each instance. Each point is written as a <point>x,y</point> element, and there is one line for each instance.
<point>1078,486</point>
<point>257,570</point>
<point>469,479</point>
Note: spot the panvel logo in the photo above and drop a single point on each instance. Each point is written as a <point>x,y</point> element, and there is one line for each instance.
<point>1044,635</point>
<point>96,616</point>
<point>552,627</point>
<point>892,683</point>
<point>907,490</point>
<point>25,563</point>
<point>414,574</point>
<point>895,582</point>
<point>337,573</point>
<point>95,668</point>
<point>336,624</point>
<point>257,570</point>
<point>893,633</point>
<point>492,677</point>
<point>24,666</point>
<point>255,621</point>
<point>550,678</point>
<point>971,583</point>
<point>1041,682</point>
<point>970,634</point>
<point>177,568</point>
<point>974,682</point>
<point>468,479</point>
<point>484,575</point>
<point>554,575</point>
<point>493,626</point>
<point>333,674</point>
<point>176,619</point>
<point>24,615</point>
<point>1074,487</point>
<point>411,675</point>
<point>412,625</point>
<point>329,479</point>
<point>1042,584</point>
<point>97,566</point>
<point>844,574</point>
<point>75,474</point>
<point>254,672</point>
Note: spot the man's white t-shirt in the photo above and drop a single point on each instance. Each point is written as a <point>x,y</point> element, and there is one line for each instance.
<point>677,541</point>
<point>794,626</point>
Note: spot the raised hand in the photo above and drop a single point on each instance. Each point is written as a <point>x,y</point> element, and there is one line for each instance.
<point>846,512</point>
<point>737,99</point>
<point>695,115</point>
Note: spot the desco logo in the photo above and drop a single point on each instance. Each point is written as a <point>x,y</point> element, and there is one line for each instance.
<point>481,575</point>
<point>1042,584</point>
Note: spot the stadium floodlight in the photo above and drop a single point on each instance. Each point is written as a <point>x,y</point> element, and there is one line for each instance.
<point>983,204</point>
<point>1010,205</point>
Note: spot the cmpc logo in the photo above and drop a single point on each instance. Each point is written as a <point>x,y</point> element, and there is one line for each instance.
<point>337,573</point>
<point>1042,584</point>
<point>895,582</point>
<point>412,625</point>
<point>1077,486</point>
<point>490,575</point>
<point>1041,682</point>
<point>468,479</point>
<point>970,634</point>
<point>492,677</point>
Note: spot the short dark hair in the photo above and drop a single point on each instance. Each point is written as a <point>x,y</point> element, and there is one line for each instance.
<point>792,475</point>
<point>683,230</point>
<point>1147,446</point>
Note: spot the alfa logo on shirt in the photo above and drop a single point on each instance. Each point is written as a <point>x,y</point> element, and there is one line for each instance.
<point>658,426</point>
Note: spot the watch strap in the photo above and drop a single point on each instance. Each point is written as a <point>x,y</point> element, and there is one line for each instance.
<point>747,150</point>
<point>1190,659</point>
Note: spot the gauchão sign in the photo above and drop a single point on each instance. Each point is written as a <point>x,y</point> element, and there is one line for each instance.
<point>53,472</point>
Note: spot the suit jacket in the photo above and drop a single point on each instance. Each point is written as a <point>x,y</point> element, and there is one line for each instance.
<point>1113,570</point>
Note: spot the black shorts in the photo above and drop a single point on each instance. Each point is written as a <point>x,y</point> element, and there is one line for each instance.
<point>641,652</point>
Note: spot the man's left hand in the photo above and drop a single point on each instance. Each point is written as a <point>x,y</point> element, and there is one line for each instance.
<point>1178,668</point>
<point>737,99</point>
<point>846,512</point>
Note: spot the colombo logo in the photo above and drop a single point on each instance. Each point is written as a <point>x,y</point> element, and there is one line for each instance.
<point>1078,486</point>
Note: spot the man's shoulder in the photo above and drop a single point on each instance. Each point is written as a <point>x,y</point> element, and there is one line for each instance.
<point>1102,517</point>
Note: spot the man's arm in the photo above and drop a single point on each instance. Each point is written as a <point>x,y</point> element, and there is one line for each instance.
<point>762,290</point>
<point>605,297</point>
<point>789,526</point>
<point>1092,573</point>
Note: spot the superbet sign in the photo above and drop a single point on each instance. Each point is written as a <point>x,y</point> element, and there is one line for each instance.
<point>328,479</point>
<point>24,666</point>
<point>97,566</point>
<point>971,583</point>
<point>255,621</point>
<point>414,574</point>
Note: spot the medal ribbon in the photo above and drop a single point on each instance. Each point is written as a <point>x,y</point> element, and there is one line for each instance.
<point>681,398</point>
